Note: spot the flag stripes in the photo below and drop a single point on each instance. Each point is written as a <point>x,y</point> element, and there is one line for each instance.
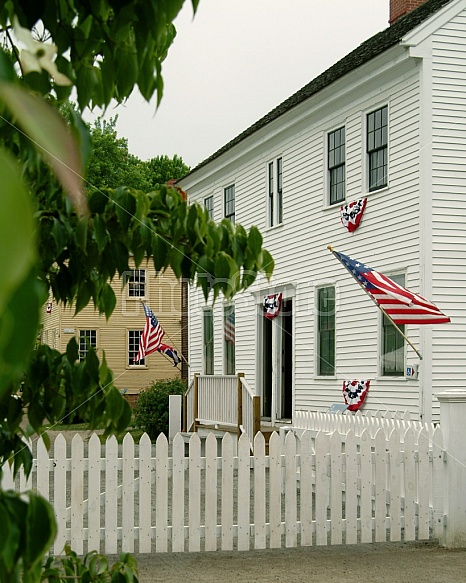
<point>402,305</point>
<point>151,337</point>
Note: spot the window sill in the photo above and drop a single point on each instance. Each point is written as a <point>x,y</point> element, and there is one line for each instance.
<point>325,378</point>
<point>337,205</point>
<point>137,367</point>
<point>387,378</point>
<point>274,228</point>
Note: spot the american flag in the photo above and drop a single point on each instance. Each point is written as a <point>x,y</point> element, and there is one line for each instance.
<point>151,337</point>
<point>229,326</point>
<point>170,352</point>
<point>403,306</point>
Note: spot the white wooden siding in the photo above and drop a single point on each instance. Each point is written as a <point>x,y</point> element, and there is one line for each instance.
<point>449,201</point>
<point>299,245</point>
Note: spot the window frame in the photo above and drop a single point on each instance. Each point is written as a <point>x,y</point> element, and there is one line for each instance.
<point>388,331</point>
<point>230,202</point>
<point>274,177</point>
<point>377,138</point>
<point>82,351</point>
<point>208,345</point>
<point>132,352</point>
<point>229,348</point>
<point>336,166</point>
<point>320,330</point>
<point>209,206</point>
<point>136,279</point>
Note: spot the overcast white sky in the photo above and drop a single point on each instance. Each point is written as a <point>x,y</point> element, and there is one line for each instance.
<point>234,62</point>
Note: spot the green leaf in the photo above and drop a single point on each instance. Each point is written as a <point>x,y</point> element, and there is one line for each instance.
<point>17,226</point>
<point>97,202</point>
<point>46,127</point>
<point>127,70</point>
<point>40,530</point>
<point>159,252</point>
<point>59,235</point>
<point>105,375</point>
<point>100,232</point>
<point>114,403</point>
<point>268,263</point>
<point>7,71</point>
<point>81,232</point>
<point>255,240</point>
<point>5,532</point>
<point>125,206</point>
<point>107,300</point>
<point>72,351</point>
<point>12,524</point>
<point>83,297</point>
<point>176,258</point>
<point>19,322</point>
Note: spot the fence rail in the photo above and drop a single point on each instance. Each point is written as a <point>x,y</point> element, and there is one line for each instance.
<point>328,488</point>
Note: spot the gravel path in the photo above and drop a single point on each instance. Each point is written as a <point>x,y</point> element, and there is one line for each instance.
<point>368,563</point>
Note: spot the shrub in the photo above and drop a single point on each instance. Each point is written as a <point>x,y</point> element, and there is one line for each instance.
<point>151,409</point>
<point>71,568</point>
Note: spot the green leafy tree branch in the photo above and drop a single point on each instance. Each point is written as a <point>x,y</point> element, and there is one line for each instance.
<point>71,238</point>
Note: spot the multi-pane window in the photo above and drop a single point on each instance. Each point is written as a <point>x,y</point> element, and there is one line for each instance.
<point>208,325</point>
<point>229,195</point>
<point>136,280</point>
<point>229,338</point>
<point>336,166</point>
<point>87,338</point>
<point>393,344</point>
<point>326,331</point>
<point>377,148</point>
<point>209,206</point>
<point>275,191</point>
<point>133,347</point>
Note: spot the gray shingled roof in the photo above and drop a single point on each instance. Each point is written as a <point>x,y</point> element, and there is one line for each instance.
<point>369,49</point>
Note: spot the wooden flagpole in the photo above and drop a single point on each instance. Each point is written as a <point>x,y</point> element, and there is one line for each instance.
<point>330,248</point>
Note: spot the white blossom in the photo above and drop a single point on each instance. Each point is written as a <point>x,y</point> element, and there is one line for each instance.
<point>38,56</point>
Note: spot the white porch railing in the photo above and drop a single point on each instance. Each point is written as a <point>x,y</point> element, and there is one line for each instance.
<point>249,411</point>
<point>223,402</point>
<point>213,401</point>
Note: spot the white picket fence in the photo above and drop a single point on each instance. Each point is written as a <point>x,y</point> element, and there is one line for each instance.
<point>371,421</point>
<point>328,488</point>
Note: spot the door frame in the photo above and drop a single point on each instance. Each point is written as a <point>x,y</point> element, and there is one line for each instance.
<point>288,292</point>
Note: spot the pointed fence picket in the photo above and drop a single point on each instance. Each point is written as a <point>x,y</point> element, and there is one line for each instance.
<point>324,488</point>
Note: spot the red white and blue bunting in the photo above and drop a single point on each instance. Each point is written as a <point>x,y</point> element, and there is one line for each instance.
<point>351,214</point>
<point>272,305</point>
<point>354,393</point>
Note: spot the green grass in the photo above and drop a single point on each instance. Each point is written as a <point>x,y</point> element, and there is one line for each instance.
<point>134,431</point>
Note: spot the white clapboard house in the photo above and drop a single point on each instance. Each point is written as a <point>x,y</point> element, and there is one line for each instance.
<point>387,123</point>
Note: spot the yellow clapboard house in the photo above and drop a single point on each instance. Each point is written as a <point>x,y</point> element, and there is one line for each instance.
<point>119,336</point>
